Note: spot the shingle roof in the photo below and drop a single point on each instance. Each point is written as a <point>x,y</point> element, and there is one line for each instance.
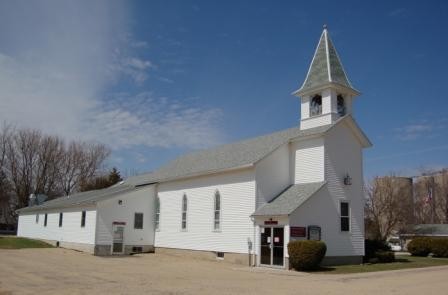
<point>80,199</point>
<point>217,159</point>
<point>234,155</point>
<point>326,67</point>
<point>427,230</point>
<point>290,199</point>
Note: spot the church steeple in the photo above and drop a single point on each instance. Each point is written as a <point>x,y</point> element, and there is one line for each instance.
<point>325,68</point>
<point>326,93</point>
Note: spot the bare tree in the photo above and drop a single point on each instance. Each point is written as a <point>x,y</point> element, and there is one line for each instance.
<point>80,163</point>
<point>389,206</point>
<point>33,163</point>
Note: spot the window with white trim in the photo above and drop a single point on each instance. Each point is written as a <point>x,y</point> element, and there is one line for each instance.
<point>184,212</point>
<point>45,219</point>
<point>345,216</point>
<point>157,215</point>
<point>60,219</point>
<point>37,218</point>
<point>138,221</point>
<point>217,212</point>
<point>83,218</point>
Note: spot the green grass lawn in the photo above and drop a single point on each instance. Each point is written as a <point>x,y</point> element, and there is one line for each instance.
<point>402,262</point>
<point>20,243</point>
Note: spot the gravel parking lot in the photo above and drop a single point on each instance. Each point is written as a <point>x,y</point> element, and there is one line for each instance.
<point>60,271</point>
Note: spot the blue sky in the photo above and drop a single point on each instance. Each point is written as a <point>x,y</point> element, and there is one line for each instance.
<point>155,79</point>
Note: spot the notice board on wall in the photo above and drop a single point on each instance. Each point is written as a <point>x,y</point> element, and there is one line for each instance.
<point>297,231</point>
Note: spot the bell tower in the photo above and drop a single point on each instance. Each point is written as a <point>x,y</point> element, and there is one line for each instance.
<point>326,94</point>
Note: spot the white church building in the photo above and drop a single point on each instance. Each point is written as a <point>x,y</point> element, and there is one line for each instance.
<point>241,202</point>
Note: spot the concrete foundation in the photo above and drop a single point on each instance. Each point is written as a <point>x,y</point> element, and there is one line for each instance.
<point>89,248</point>
<point>236,258</point>
<point>103,250</point>
<point>130,249</point>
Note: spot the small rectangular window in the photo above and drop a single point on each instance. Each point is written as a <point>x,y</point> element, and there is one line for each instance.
<point>184,212</point>
<point>345,216</point>
<point>138,221</point>
<point>157,216</point>
<point>83,218</point>
<point>220,255</point>
<point>37,218</point>
<point>217,215</point>
<point>45,219</point>
<point>60,219</point>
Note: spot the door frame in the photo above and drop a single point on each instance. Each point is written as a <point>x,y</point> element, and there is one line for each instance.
<point>116,225</point>
<point>272,247</point>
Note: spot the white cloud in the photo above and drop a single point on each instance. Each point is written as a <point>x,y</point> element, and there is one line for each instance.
<point>413,131</point>
<point>58,58</point>
<point>146,120</point>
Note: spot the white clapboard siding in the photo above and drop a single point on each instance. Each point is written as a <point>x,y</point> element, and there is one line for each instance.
<point>343,154</point>
<point>272,175</point>
<point>138,201</point>
<point>316,121</point>
<point>237,190</point>
<point>71,230</point>
<point>307,160</point>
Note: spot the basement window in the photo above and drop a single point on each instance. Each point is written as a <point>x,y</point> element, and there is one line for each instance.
<point>137,249</point>
<point>220,255</point>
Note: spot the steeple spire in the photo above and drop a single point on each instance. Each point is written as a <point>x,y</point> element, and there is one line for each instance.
<point>325,69</point>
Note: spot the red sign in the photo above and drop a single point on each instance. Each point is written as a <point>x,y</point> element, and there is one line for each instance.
<point>297,231</point>
<point>267,222</point>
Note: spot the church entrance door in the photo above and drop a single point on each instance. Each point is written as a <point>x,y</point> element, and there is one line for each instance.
<point>272,246</point>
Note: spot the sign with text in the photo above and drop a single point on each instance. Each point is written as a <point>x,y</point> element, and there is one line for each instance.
<point>314,232</point>
<point>297,231</point>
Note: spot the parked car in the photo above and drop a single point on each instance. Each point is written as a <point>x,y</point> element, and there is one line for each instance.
<point>395,244</point>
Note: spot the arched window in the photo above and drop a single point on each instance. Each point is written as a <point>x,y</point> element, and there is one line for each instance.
<point>341,105</point>
<point>157,216</point>
<point>217,212</point>
<point>184,212</point>
<point>316,105</point>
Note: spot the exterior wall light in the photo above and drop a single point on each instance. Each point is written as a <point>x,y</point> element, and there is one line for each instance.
<point>347,180</point>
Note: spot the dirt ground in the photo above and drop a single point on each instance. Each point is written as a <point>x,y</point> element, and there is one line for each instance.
<point>60,271</point>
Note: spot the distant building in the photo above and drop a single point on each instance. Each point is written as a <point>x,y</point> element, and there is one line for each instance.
<point>431,197</point>
<point>423,230</point>
<point>241,202</point>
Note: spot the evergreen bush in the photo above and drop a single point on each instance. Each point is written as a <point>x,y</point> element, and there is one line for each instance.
<point>439,247</point>
<point>306,255</point>
<point>372,247</point>
<point>420,246</point>
<point>385,256</point>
